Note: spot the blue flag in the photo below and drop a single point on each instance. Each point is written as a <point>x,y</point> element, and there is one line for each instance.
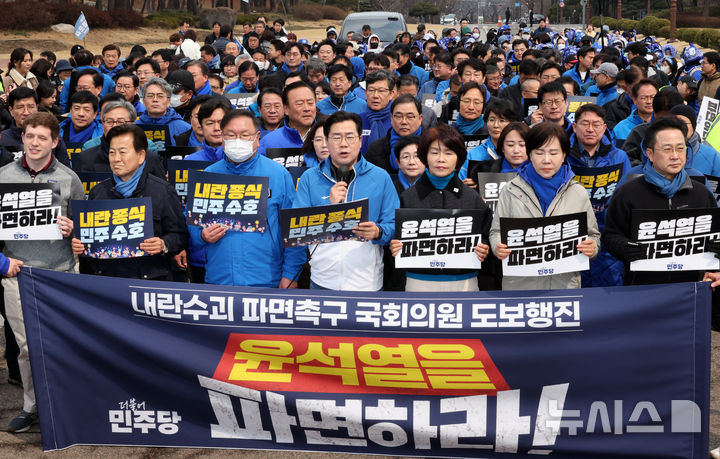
<point>81,27</point>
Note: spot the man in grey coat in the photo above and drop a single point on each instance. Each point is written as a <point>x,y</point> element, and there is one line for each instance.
<point>41,134</point>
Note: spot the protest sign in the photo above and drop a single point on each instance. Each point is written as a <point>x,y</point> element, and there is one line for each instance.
<point>438,238</point>
<point>321,224</point>
<point>288,157</point>
<point>675,239</point>
<point>73,148</point>
<point>178,174</point>
<point>238,202</point>
<point>158,133</point>
<point>544,246</point>
<point>491,374</point>
<point>714,183</point>
<point>296,173</point>
<point>706,116</point>
<point>242,100</point>
<point>90,179</point>
<point>113,228</point>
<point>575,102</point>
<point>490,184</point>
<point>473,140</point>
<point>530,106</point>
<point>599,182</point>
<point>428,100</point>
<point>29,211</point>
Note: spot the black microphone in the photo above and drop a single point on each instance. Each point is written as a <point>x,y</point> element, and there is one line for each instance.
<point>344,174</point>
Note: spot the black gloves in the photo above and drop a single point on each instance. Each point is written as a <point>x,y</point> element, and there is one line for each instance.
<point>635,251</point>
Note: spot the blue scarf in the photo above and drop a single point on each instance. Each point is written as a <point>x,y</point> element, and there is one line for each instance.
<point>439,182</point>
<point>404,180</point>
<point>507,167</point>
<point>545,189</point>
<point>394,137</point>
<point>126,188</point>
<point>469,127</point>
<point>667,188</point>
<point>377,119</point>
<point>81,136</point>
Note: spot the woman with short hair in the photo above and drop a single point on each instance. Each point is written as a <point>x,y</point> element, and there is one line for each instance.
<point>442,151</point>
<point>544,187</point>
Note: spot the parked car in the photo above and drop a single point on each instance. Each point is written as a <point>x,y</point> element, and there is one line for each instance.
<point>448,19</point>
<point>382,23</point>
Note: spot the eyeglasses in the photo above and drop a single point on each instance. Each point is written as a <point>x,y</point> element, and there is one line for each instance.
<point>668,150</point>
<point>587,125</point>
<point>125,87</point>
<point>550,103</point>
<point>407,116</point>
<point>144,74</point>
<point>271,106</point>
<point>381,91</point>
<point>234,136</point>
<point>338,138</point>
<point>111,122</point>
<point>156,96</point>
<point>407,157</point>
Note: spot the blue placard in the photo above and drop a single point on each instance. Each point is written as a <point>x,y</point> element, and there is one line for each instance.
<point>113,228</point>
<point>238,202</point>
<point>606,372</point>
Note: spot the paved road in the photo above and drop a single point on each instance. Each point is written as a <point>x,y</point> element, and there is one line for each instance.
<point>28,445</point>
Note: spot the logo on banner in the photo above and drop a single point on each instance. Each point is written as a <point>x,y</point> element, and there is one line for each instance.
<point>133,416</point>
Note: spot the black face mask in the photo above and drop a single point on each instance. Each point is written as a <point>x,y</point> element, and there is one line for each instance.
<point>374,45</point>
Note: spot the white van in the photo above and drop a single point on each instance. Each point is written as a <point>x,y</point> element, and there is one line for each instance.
<point>383,24</point>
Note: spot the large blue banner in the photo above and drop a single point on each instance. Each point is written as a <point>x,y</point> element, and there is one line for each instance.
<point>590,373</point>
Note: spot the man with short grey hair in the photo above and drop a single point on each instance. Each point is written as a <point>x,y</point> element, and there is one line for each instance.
<point>156,98</point>
<point>94,157</point>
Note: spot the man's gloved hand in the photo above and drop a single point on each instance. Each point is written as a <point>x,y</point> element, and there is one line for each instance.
<point>635,251</point>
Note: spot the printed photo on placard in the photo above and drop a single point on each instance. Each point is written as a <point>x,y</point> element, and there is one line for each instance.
<point>113,228</point>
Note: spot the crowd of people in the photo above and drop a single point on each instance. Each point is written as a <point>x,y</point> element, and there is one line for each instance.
<point>387,122</point>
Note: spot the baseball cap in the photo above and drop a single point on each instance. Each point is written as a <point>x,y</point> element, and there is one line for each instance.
<point>181,79</point>
<point>607,68</point>
<point>690,81</point>
<point>330,30</point>
<point>63,64</point>
<point>570,59</point>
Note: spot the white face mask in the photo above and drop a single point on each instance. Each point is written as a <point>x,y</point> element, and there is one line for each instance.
<point>176,100</point>
<point>476,35</point>
<point>262,65</point>
<point>666,69</point>
<point>238,150</point>
<point>561,47</point>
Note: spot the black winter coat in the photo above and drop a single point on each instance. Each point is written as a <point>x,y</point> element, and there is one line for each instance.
<point>378,153</point>
<point>456,195</point>
<point>168,224</point>
<point>617,110</point>
<point>637,193</point>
